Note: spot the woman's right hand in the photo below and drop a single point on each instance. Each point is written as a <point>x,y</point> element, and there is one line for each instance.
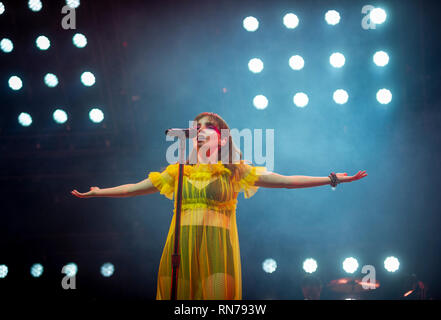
<point>90,194</point>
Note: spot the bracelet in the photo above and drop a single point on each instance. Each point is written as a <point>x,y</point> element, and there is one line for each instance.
<point>334,179</point>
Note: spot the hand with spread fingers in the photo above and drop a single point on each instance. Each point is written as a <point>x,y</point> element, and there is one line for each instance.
<point>343,177</point>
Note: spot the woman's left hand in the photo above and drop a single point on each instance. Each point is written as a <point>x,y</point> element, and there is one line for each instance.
<point>343,177</point>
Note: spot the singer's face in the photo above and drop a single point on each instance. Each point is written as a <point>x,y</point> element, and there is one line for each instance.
<point>208,135</point>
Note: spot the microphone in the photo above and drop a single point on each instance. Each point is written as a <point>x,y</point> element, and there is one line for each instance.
<point>177,132</point>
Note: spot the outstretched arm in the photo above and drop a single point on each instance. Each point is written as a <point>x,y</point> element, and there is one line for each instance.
<point>274,180</point>
<point>125,190</point>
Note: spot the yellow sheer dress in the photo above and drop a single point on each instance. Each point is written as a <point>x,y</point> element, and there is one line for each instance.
<point>210,265</point>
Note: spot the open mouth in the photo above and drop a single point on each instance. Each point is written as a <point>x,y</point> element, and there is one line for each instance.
<point>202,139</point>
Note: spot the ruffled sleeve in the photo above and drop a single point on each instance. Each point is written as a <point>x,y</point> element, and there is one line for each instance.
<point>246,178</point>
<point>165,181</point>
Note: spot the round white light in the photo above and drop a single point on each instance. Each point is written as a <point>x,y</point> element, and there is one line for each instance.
<point>73,3</point>
<point>350,265</point>
<point>337,60</point>
<point>59,116</point>
<point>301,99</point>
<point>25,119</point>
<point>51,80</point>
<point>255,65</point>
<point>15,83</point>
<point>391,264</point>
<point>6,45</point>
<point>340,96</point>
<point>35,5</point>
<point>381,58</point>
<point>96,115</point>
<point>290,20</point>
<point>79,40</point>
<point>296,62</point>
<point>384,96</point>
<point>2,8</point>
<point>332,17</point>
<point>260,102</point>
<point>3,270</point>
<point>88,79</point>
<point>250,24</point>
<point>310,265</point>
<point>43,43</point>
<point>107,269</point>
<point>70,269</point>
<point>269,265</point>
<point>378,15</point>
<point>36,270</point>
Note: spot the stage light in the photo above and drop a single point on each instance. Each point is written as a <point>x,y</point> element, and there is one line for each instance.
<point>250,24</point>
<point>96,115</point>
<point>79,40</point>
<point>43,43</point>
<point>73,3</point>
<point>301,99</point>
<point>51,80</point>
<point>6,45</point>
<point>384,96</point>
<point>337,60</point>
<point>381,58</point>
<point>59,116</point>
<point>2,8</point>
<point>350,265</point>
<point>260,102</point>
<point>36,270</point>
<point>15,83</point>
<point>332,17</point>
<point>3,271</point>
<point>255,65</point>
<point>35,5</point>
<point>377,15</point>
<point>391,264</point>
<point>88,79</point>
<point>310,265</point>
<point>25,119</point>
<point>290,20</point>
<point>340,96</point>
<point>296,62</point>
<point>70,269</point>
<point>269,265</point>
<point>107,269</point>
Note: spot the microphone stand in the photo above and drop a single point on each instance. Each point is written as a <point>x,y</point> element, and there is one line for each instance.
<point>176,258</point>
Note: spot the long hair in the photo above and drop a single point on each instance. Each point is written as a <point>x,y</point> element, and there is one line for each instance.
<point>234,154</point>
